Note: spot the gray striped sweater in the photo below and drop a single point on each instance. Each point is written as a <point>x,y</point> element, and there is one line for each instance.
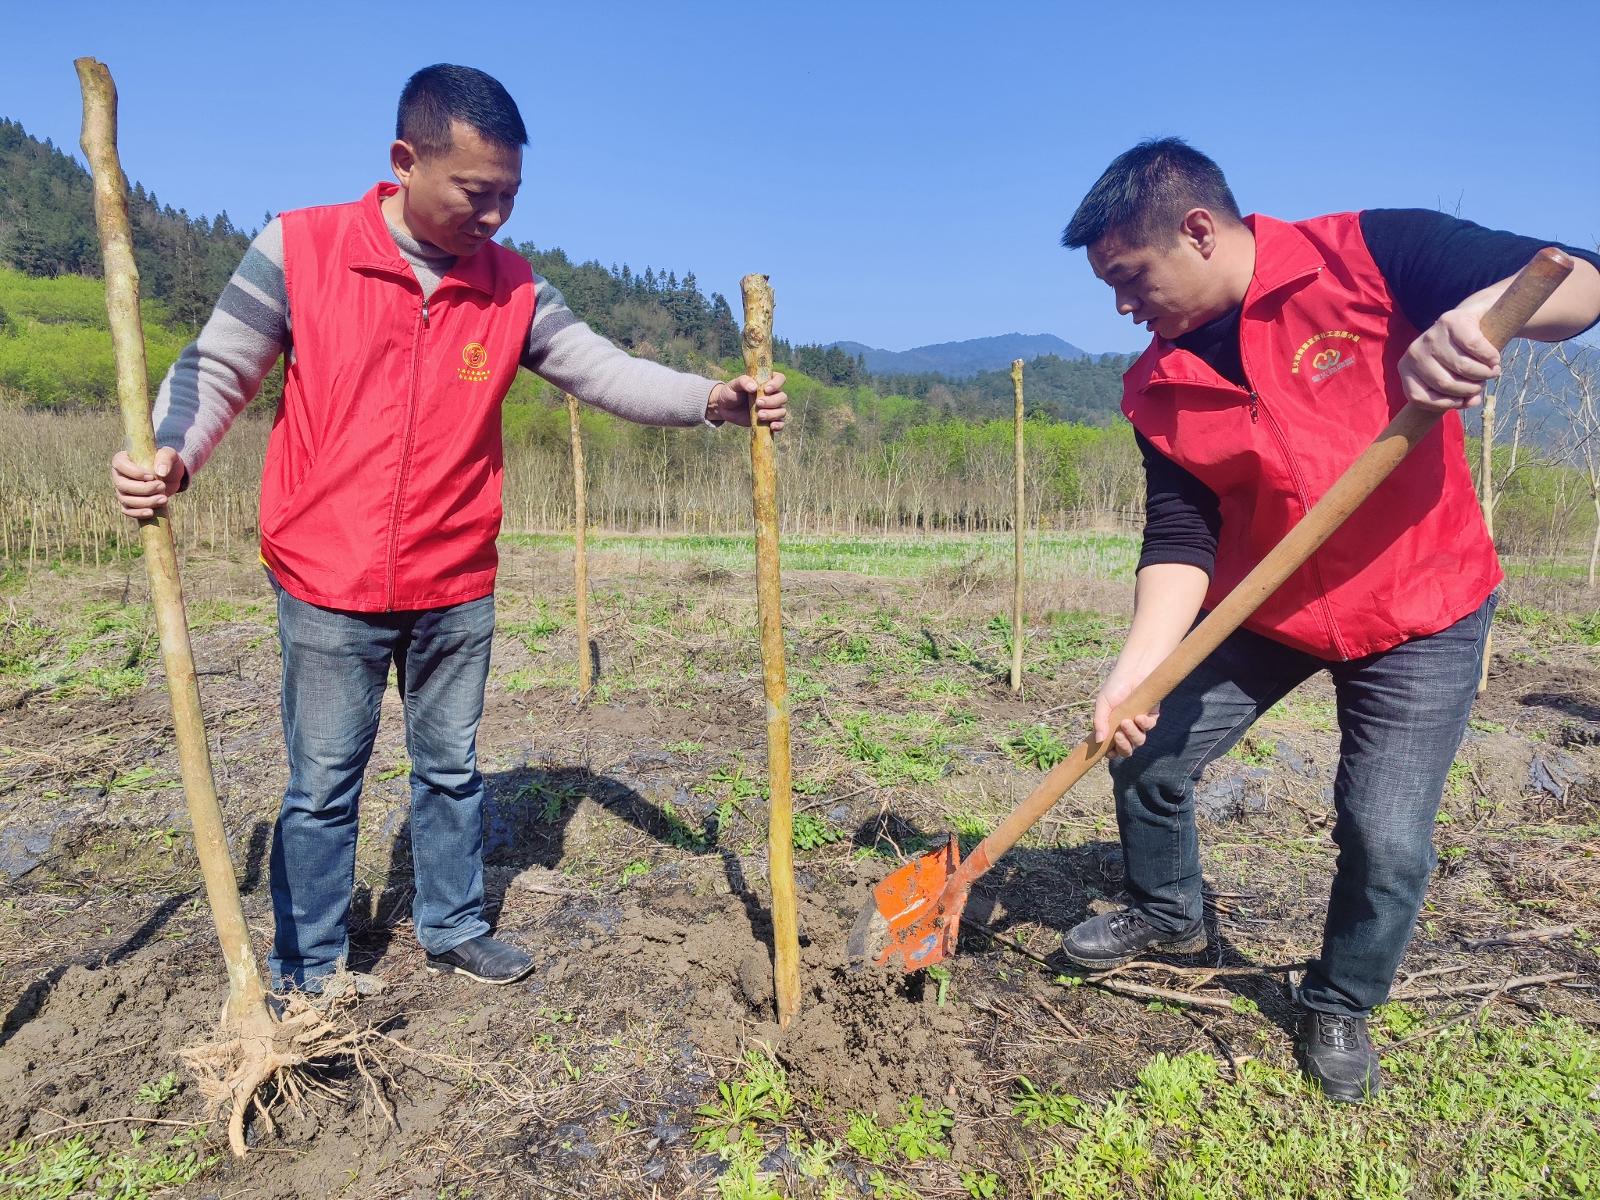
<point>221,371</point>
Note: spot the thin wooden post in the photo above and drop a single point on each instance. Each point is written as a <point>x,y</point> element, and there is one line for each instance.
<point>247,1005</point>
<point>1016,589</point>
<point>580,555</point>
<point>769,601</point>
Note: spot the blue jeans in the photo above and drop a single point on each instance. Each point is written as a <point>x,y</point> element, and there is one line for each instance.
<point>1401,717</point>
<point>335,669</point>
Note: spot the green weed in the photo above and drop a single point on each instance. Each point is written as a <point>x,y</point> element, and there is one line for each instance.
<point>1042,1108</point>
<point>1038,746</point>
<point>59,1170</point>
<point>812,832</point>
<point>760,1097</point>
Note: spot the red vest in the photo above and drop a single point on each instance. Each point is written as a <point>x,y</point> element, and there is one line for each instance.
<point>1320,337</point>
<point>381,487</point>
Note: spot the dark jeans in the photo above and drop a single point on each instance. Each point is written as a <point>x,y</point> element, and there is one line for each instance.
<point>335,669</point>
<point>1401,717</point>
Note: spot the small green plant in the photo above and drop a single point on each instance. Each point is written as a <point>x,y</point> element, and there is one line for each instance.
<point>1077,635</point>
<point>867,1138</point>
<point>761,1096</point>
<point>684,747</point>
<point>1253,751</point>
<point>920,1133</point>
<point>940,974</point>
<point>72,1167</point>
<point>403,767</point>
<point>1041,1108</point>
<point>1171,1089</point>
<point>159,1093</point>
<point>633,870</point>
<point>812,832</point>
<point>532,631</point>
<point>1038,746</point>
<point>981,1185</point>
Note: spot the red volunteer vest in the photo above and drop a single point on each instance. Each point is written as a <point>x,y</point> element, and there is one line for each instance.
<point>382,482</point>
<point>1320,337</point>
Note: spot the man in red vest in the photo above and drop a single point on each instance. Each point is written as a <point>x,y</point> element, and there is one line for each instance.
<point>401,324</point>
<point>1279,351</point>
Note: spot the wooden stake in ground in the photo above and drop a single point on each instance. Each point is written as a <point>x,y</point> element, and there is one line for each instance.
<point>580,557</point>
<point>255,1048</point>
<point>764,490</point>
<point>1016,589</point>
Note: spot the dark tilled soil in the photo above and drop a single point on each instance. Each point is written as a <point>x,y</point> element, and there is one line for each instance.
<point>648,918</point>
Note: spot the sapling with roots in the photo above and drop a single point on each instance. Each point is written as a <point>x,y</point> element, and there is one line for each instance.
<point>255,1048</point>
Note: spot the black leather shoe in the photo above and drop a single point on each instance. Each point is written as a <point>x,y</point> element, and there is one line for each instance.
<point>1112,939</point>
<point>1336,1053</point>
<point>483,959</point>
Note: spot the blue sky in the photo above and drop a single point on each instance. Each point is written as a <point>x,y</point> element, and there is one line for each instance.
<point>901,170</point>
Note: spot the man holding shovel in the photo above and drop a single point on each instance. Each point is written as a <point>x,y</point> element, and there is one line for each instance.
<point>1279,350</point>
<point>402,325</point>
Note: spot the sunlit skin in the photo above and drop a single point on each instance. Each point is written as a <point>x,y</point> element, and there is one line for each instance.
<point>1174,285</point>
<point>455,199</point>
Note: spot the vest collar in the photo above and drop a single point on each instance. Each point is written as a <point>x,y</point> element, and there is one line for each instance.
<point>1284,258</point>
<point>370,246</point>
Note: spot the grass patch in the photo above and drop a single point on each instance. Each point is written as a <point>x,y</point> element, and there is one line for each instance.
<point>72,1167</point>
<point>1484,1110</point>
<point>913,748</point>
<point>1085,555</point>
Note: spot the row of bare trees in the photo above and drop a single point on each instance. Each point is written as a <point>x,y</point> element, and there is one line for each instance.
<point>1539,471</point>
<point>1552,391</point>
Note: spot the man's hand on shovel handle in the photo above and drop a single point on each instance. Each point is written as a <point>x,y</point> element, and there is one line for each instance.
<point>142,492</point>
<point>1448,365</point>
<point>1132,730</point>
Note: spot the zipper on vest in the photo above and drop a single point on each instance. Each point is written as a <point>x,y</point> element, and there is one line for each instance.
<point>405,457</point>
<point>1255,406</point>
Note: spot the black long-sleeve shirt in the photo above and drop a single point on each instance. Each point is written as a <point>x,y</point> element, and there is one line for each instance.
<point>1431,262</point>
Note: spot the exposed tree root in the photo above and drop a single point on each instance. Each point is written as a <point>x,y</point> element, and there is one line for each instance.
<point>279,1061</point>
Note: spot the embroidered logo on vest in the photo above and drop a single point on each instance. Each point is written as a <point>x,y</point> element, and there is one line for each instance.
<point>475,356</point>
<point>1330,360</point>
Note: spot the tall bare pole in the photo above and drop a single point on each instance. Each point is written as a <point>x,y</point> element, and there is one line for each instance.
<point>580,557</point>
<point>247,1006</point>
<point>1491,396</point>
<point>769,602</point>
<point>1016,589</point>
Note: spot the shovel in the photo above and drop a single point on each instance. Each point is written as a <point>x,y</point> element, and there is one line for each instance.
<point>914,916</point>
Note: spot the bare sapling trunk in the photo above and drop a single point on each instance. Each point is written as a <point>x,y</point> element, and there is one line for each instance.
<point>1017,525</point>
<point>580,556</point>
<point>247,1004</point>
<point>769,602</point>
<point>255,1047</point>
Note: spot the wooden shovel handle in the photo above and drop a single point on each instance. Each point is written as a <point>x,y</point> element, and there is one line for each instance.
<point>1515,307</point>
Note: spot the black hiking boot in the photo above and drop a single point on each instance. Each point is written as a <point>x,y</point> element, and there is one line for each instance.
<point>1114,938</point>
<point>1336,1053</point>
<point>483,959</point>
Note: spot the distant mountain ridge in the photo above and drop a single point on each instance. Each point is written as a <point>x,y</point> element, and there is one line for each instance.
<point>958,360</point>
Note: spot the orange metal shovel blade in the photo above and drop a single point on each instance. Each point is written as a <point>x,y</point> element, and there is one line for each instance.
<point>910,923</point>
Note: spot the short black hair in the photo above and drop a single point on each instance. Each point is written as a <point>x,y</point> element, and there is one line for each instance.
<point>442,93</point>
<point>1145,192</point>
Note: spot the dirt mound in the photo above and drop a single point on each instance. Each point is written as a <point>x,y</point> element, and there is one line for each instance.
<point>864,1039</point>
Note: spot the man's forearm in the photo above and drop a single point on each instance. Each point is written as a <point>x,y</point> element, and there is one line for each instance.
<point>1572,308</point>
<point>1166,600</point>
